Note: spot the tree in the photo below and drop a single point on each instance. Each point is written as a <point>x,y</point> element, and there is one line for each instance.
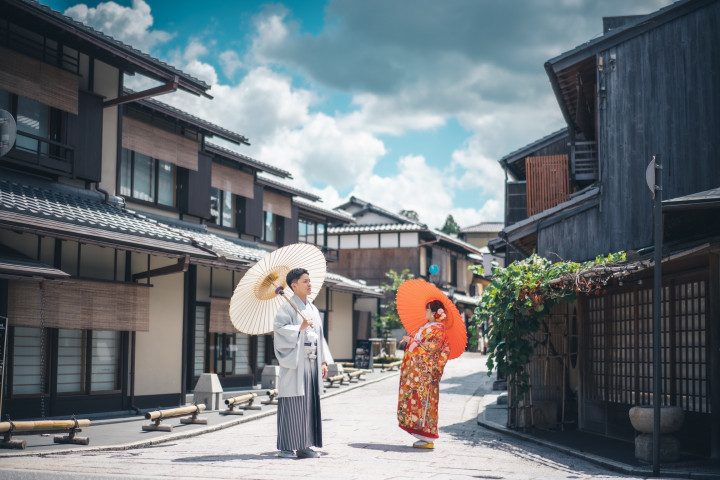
<point>451,227</point>
<point>410,215</point>
<point>390,318</point>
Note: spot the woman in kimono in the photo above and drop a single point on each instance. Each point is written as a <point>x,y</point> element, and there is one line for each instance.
<point>425,357</point>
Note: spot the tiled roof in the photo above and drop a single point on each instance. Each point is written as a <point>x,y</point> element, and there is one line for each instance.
<point>341,215</point>
<point>66,211</point>
<point>485,227</point>
<point>456,241</point>
<point>211,128</point>
<point>707,198</point>
<point>263,179</point>
<point>126,52</point>
<point>379,228</point>
<point>341,283</point>
<point>15,264</point>
<point>239,157</point>
<point>369,207</point>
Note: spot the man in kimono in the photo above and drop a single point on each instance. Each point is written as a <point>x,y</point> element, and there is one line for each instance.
<point>299,348</point>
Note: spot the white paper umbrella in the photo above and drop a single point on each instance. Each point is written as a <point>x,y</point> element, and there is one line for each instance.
<point>262,289</point>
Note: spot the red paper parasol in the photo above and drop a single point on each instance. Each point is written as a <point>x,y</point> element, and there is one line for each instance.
<point>412,298</point>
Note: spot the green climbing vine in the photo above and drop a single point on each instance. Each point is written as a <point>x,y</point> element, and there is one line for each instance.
<point>513,305</point>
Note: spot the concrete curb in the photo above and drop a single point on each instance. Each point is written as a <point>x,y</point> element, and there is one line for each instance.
<point>192,433</point>
<point>602,461</point>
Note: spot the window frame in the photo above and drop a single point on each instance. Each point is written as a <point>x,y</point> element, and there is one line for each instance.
<point>156,165</point>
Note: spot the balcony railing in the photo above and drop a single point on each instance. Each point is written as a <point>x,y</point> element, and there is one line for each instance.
<point>584,161</point>
<point>42,153</point>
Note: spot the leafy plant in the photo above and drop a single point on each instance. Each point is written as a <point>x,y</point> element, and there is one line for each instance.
<point>513,306</point>
<point>390,319</point>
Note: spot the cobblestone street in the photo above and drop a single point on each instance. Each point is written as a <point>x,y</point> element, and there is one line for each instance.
<point>362,441</point>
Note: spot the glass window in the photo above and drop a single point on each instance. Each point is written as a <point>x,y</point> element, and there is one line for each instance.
<point>166,183</point>
<point>32,118</point>
<point>227,210</point>
<point>302,231</point>
<point>320,238</point>
<point>143,181</point>
<point>270,226</point>
<point>260,352</point>
<point>222,211</point>
<point>27,361</point>
<point>5,100</point>
<point>71,361</point>
<point>105,374</point>
<point>146,178</point>
<point>242,342</point>
<point>126,173</point>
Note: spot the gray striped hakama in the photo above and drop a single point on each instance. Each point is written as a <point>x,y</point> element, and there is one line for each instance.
<point>299,423</point>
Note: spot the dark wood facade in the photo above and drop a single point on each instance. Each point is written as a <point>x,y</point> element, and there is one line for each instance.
<point>657,94</point>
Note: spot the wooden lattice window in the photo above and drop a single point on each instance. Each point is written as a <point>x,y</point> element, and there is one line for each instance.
<point>618,344</point>
<point>548,182</point>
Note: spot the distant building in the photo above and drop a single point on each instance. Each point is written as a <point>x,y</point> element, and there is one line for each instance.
<point>380,240</point>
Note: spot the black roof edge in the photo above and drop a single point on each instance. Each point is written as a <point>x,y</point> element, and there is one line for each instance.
<point>287,188</point>
<point>632,29</point>
<point>244,159</point>
<point>145,63</point>
<point>536,145</point>
<point>174,112</point>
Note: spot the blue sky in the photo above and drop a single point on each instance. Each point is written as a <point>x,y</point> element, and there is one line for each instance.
<point>404,103</point>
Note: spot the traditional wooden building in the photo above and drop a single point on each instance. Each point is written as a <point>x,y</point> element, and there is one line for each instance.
<point>380,240</point>
<point>123,231</point>
<point>645,88</point>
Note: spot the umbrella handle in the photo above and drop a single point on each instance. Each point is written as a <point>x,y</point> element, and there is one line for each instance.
<point>281,291</point>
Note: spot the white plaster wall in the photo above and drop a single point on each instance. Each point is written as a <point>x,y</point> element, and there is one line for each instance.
<point>409,239</point>
<point>332,241</point>
<point>107,82</point>
<point>372,218</point>
<point>369,240</point>
<point>340,325</point>
<point>349,241</point>
<point>389,240</point>
<point>158,355</point>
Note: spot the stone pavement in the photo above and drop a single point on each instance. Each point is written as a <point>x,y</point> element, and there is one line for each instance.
<point>361,441</point>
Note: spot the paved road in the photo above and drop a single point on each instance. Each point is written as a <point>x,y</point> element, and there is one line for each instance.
<point>362,441</point>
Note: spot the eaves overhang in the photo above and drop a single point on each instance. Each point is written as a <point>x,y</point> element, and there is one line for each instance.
<point>531,225</point>
<point>87,39</point>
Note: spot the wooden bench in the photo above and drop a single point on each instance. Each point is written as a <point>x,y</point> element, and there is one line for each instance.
<point>339,379</point>
<point>159,415</point>
<point>71,426</point>
<point>242,402</point>
<point>272,400</point>
<point>391,366</point>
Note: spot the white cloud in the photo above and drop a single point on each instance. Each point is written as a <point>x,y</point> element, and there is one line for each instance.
<point>230,63</point>
<point>131,25</point>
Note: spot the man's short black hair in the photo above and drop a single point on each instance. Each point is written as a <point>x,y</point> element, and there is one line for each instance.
<point>294,274</point>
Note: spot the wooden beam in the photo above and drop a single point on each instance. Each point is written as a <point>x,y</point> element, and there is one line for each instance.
<point>170,86</point>
<point>181,266</point>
